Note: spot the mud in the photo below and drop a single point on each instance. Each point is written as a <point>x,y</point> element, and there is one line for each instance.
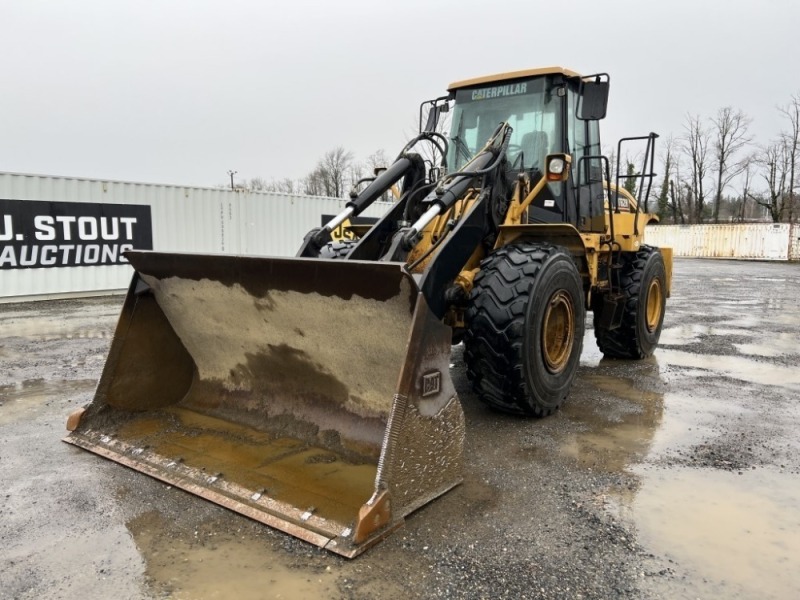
<point>673,477</point>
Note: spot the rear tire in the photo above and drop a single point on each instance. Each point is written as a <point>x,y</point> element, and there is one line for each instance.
<point>525,325</point>
<point>338,249</point>
<point>643,280</point>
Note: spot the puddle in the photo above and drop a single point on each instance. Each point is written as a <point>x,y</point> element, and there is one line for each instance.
<point>685,422</point>
<point>616,435</point>
<point>622,424</point>
<point>29,399</point>
<point>689,334</point>
<point>61,321</point>
<point>59,327</point>
<point>735,367</point>
<point>780,344</point>
<point>219,565</point>
<point>771,279</point>
<point>787,318</point>
<point>683,334</point>
<point>744,321</point>
<point>737,535</point>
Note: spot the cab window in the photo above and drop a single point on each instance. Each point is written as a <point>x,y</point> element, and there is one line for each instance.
<point>526,105</point>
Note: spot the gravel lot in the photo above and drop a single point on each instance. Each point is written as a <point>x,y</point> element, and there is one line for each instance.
<point>674,477</point>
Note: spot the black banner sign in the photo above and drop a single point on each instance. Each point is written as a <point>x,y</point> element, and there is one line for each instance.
<point>35,234</point>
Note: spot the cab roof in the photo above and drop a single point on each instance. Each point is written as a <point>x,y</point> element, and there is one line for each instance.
<point>511,75</point>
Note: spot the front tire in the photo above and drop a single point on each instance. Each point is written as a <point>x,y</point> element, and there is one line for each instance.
<point>643,281</point>
<point>525,325</point>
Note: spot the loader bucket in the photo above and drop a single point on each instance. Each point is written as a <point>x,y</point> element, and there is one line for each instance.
<point>311,395</point>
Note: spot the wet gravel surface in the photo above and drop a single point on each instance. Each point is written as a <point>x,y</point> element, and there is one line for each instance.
<point>635,489</point>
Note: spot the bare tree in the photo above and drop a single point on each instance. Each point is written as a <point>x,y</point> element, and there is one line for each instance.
<point>730,136</point>
<point>285,185</point>
<point>378,160</point>
<point>682,189</point>
<point>333,168</point>
<point>775,159</point>
<point>257,184</point>
<point>695,143</point>
<point>791,139</point>
<point>676,197</point>
<point>314,183</point>
<point>611,153</point>
<point>357,171</point>
<point>747,181</point>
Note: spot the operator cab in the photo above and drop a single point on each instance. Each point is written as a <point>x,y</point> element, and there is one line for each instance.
<point>549,113</point>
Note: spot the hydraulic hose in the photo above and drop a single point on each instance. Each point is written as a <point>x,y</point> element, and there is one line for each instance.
<point>445,197</point>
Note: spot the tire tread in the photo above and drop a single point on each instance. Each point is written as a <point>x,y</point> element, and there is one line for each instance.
<point>624,341</point>
<point>496,327</point>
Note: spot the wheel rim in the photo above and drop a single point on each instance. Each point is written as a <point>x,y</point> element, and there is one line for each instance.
<point>654,303</point>
<point>558,331</point>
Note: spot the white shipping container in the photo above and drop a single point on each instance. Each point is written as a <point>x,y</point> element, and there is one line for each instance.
<point>183,219</point>
<point>794,235</point>
<point>753,241</point>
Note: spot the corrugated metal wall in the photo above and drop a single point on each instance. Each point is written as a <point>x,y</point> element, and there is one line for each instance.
<point>755,241</point>
<point>794,234</point>
<point>187,219</point>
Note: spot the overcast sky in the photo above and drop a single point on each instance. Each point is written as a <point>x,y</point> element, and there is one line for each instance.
<point>181,91</point>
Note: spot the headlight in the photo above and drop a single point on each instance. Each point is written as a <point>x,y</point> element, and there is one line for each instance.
<point>556,166</point>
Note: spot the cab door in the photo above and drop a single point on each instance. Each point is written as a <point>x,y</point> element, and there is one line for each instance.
<point>583,139</point>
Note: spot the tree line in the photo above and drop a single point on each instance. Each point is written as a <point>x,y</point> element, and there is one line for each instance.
<point>333,176</point>
<point>713,171</point>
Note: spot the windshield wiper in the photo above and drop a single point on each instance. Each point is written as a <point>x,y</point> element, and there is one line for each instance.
<point>462,147</point>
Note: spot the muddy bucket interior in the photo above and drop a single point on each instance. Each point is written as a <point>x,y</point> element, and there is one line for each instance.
<point>313,396</point>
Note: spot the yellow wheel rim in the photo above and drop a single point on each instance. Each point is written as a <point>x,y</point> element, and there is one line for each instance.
<point>655,300</point>
<point>558,331</point>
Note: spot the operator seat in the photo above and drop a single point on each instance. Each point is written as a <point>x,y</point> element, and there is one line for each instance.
<point>534,149</point>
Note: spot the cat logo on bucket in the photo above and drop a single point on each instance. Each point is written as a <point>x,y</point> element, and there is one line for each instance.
<point>431,384</point>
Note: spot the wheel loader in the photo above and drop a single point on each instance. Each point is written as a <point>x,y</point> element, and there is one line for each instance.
<point>227,376</point>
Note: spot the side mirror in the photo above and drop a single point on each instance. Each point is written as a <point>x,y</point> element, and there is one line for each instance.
<point>437,107</point>
<point>593,98</point>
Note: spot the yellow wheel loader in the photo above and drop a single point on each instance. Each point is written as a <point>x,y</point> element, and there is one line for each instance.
<point>228,377</point>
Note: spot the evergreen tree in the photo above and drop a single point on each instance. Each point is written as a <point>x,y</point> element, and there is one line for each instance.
<point>630,182</point>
